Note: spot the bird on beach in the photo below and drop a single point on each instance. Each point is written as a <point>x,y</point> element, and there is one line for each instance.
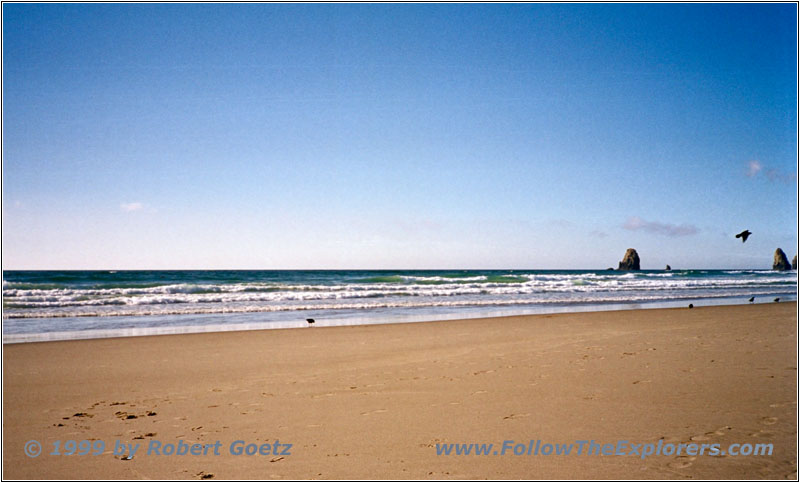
<point>743,235</point>
<point>751,299</point>
<point>310,321</point>
<point>776,299</point>
<point>691,306</point>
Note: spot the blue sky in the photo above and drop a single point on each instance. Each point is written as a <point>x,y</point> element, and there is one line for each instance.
<point>398,136</point>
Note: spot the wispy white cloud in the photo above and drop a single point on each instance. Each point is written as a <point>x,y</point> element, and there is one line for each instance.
<point>598,234</point>
<point>128,207</point>
<point>772,174</point>
<point>753,167</point>
<point>635,223</point>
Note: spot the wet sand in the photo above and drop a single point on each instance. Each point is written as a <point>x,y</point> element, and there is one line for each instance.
<point>372,402</point>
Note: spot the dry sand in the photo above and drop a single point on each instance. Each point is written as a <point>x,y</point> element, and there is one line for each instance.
<point>372,401</point>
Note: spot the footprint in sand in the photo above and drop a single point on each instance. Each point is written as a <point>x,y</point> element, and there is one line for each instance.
<point>432,443</point>
<point>761,433</point>
<point>711,434</point>
<point>375,411</point>
<point>769,421</point>
<point>517,416</point>
<point>720,431</point>
<point>682,462</point>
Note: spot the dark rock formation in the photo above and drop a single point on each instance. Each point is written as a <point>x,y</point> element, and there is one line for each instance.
<point>668,268</point>
<point>794,263</point>
<point>779,261</point>
<point>630,261</point>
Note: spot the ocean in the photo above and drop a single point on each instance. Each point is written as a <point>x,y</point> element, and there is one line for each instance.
<point>58,305</point>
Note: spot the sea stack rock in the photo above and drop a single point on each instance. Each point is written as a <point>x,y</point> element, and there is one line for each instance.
<point>630,261</point>
<point>668,268</point>
<point>779,261</point>
<point>794,263</point>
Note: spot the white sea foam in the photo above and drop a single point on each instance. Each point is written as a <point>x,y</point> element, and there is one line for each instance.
<point>219,307</point>
<point>43,300</point>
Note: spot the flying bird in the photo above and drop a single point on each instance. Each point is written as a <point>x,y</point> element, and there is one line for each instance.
<point>751,299</point>
<point>743,235</point>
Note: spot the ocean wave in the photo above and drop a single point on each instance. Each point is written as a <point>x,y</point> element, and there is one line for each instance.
<point>216,308</point>
<point>234,293</point>
<point>124,293</point>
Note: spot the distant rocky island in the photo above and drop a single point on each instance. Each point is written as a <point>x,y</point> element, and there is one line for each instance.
<point>630,261</point>
<point>780,262</point>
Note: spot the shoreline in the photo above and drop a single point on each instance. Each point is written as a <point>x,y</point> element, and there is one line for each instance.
<point>368,318</point>
<point>373,401</point>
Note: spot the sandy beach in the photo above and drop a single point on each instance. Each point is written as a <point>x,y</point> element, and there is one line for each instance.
<point>364,402</point>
